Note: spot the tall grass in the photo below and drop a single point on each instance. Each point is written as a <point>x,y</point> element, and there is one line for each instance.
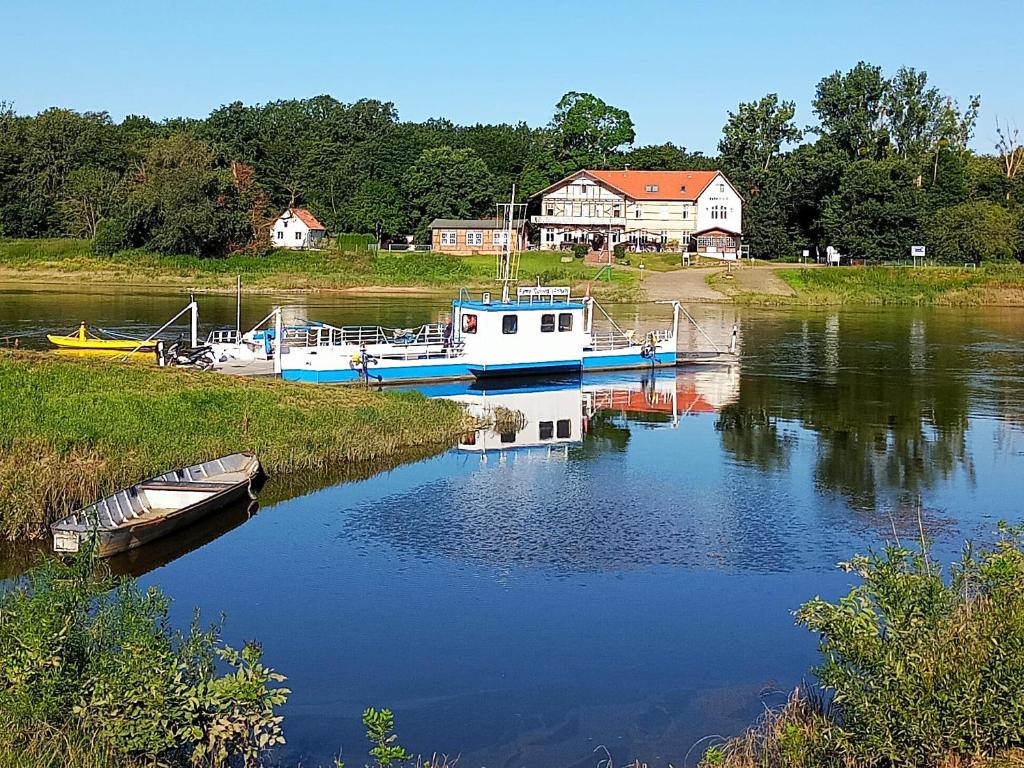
<point>73,430</point>
<point>906,285</point>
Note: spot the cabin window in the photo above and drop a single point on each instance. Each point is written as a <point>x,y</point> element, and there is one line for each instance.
<point>469,323</point>
<point>448,237</point>
<point>547,323</point>
<point>474,238</point>
<point>563,428</point>
<point>564,322</point>
<point>510,324</point>
<point>507,437</point>
<point>547,430</point>
<point>280,235</point>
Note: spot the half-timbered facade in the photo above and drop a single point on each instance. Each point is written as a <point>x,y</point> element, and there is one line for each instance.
<point>674,210</point>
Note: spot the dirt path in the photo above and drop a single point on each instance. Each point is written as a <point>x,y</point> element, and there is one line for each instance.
<point>683,284</point>
<point>690,285</point>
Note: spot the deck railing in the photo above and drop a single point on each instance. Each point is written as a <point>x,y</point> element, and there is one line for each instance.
<point>404,342</point>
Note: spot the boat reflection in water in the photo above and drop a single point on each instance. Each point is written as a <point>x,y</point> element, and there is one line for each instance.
<point>554,414</point>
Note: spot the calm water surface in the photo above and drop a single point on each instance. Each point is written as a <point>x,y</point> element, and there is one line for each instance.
<point>626,582</point>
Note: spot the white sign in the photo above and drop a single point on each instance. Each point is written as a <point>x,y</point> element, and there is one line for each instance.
<point>917,251</point>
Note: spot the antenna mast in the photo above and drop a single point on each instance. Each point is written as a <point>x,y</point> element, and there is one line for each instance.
<point>508,259</point>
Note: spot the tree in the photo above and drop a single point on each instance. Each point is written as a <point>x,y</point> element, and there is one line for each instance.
<point>90,195</point>
<point>852,111</point>
<point>667,157</point>
<point>755,134</point>
<point>973,231</point>
<point>588,131</point>
<point>1011,153</point>
<point>185,201</point>
<point>377,207</point>
<point>447,182</point>
<point>877,212</point>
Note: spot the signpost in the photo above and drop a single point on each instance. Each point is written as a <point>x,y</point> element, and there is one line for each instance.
<point>917,252</point>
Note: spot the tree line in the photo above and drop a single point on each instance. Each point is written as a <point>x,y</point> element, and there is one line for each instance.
<point>886,165</point>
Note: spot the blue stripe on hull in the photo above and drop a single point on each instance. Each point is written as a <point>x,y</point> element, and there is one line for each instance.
<point>635,360</point>
<point>394,375</point>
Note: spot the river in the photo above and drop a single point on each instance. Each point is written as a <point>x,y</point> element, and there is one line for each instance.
<point>621,571</point>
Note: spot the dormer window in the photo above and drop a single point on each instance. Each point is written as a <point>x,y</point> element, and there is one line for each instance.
<point>682,188</point>
<point>651,188</point>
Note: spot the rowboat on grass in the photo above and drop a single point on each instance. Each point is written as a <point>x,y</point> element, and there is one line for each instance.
<point>83,338</point>
<point>157,506</point>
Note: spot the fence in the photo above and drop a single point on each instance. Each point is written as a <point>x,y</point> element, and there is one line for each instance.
<point>409,247</point>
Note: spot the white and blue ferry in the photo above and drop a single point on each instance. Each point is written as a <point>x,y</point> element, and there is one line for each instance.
<point>541,330</point>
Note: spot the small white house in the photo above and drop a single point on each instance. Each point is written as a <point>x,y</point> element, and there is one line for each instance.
<point>297,228</point>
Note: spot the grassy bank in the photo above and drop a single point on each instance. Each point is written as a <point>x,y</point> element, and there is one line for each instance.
<point>38,260</point>
<point>74,430</point>
<point>995,285</point>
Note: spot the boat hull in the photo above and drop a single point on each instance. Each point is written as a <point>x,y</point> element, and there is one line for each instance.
<point>109,345</point>
<point>156,507</point>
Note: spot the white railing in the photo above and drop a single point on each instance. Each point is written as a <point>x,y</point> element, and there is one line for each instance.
<point>542,293</point>
<point>228,336</point>
<point>365,336</point>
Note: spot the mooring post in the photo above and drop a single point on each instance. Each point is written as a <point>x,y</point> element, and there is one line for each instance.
<point>195,320</point>
<point>278,340</point>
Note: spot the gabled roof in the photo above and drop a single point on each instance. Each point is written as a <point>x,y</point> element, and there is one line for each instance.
<point>667,185</point>
<point>304,216</point>
<point>472,224</point>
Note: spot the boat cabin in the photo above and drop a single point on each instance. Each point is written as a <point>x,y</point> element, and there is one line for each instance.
<point>542,329</point>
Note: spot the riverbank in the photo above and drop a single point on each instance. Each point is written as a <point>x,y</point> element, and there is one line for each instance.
<point>993,285</point>
<point>73,430</point>
<point>49,260</point>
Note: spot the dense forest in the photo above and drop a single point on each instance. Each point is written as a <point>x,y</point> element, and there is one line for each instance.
<point>886,165</point>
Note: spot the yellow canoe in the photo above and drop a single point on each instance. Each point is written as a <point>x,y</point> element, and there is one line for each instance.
<point>83,340</point>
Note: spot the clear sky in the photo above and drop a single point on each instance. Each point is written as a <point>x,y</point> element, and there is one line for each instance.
<point>678,67</point>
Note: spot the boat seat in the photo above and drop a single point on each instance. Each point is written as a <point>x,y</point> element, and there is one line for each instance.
<point>183,485</point>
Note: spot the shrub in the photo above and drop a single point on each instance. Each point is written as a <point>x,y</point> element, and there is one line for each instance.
<point>83,653</point>
<point>580,250</point>
<point>109,238</point>
<point>922,670</point>
<point>619,251</point>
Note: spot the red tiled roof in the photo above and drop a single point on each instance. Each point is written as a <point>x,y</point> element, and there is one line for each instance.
<point>306,218</point>
<point>669,185</point>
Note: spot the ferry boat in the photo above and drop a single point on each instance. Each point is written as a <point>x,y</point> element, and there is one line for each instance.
<point>542,330</point>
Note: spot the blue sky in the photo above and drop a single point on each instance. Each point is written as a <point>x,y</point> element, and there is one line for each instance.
<point>678,67</point>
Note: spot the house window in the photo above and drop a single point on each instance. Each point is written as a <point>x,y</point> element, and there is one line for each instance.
<point>686,211</point>
<point>448,237</point>
<point>563,428</point>
<point>551,211</point>
<point>510,324</point>
<point>500,238</point>
<point>564,322</point>
<point>721,188</point>
<point>474,238</point>
<point>298,235</point>
<point>549,235</point>
<point>547,430</point>
<point>547,323</point>
<point>286,225</point>
<point>469,323</point>
<point>651,188</point>
<point>638,211</point>
<point>616,212</point>
<point>280,235</point>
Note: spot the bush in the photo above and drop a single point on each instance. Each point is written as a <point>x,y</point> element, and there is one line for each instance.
<point>580,250</point>
<point>619,251</point>
<point>110,237</point>
<point>922,670</point>
<point>85,654</point>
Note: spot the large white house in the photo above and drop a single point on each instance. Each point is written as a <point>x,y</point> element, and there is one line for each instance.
<point>685,210</point>
<point>297,228</point>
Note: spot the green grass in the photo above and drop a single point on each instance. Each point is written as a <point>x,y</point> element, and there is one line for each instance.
<point>292,270</point>
<point>991,284</point>
<point>74,430</point>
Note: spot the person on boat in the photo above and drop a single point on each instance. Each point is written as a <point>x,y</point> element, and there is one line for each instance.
<point>447,336</point>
